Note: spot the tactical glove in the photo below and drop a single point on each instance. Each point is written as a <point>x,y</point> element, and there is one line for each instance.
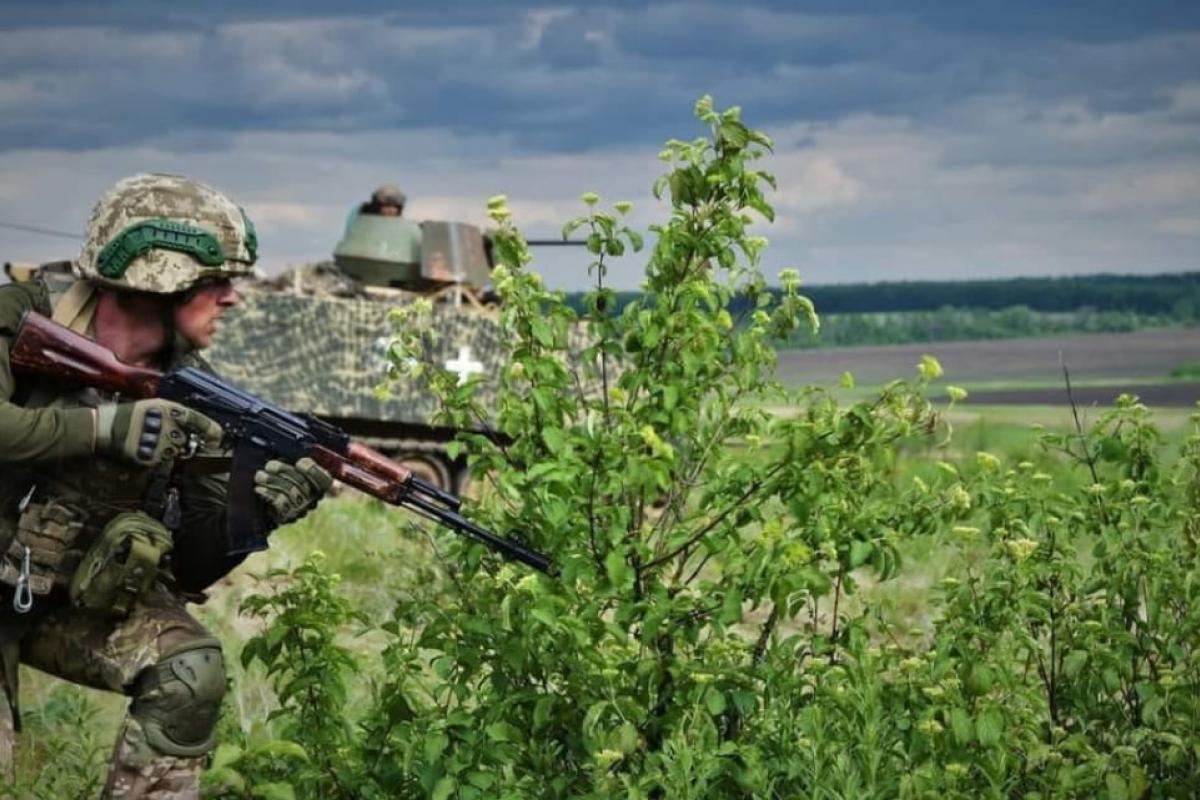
<point>150,431</point>
<point>291,491</point>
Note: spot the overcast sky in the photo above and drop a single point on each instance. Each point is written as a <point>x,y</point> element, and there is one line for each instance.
<point>914,139</point>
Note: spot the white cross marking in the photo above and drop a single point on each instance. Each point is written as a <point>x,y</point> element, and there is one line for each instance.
<point>464,365</point>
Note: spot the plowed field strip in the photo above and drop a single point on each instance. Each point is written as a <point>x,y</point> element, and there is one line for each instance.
<point>1121,357</point>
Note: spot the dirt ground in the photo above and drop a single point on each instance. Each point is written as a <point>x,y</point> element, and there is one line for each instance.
<point>1143,357</point>
<point>1101,366</point>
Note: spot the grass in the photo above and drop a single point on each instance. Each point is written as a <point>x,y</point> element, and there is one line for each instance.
<point>1187,371</point>
<point>858,393</point>
<point>384,560</point>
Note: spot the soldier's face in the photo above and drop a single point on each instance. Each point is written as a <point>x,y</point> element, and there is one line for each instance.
<point>197,314</point>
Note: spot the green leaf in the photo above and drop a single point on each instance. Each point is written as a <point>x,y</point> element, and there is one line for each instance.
<point>651,335</point>
<point>1139,782</point>
<point>544,616</point>
<point>443,789</point>
<point>541,712</point>
<point>980,679</point>
<point>274,791</point>
<point>731,607</point>
<point>1117,788</point>
<point>282,748</point>
<point>1074,662</point>
<point>817,581</point>
<point>502,732</point>
<point>860,551</point>
<point>989,727</point>
<point>482,780</point>
<point>224,779</point>
<point>960,725</point>
<point>670,396</point>
<point>554,439</point>
<point>714,701</point>
<point>542,332</point>
<point>572,226</point>
<point>734,133</point>
<point>619,572</point>
<point>225,755</point>
<point>765,141</point>
<point>763,207</point>
<point>1152,709</point>
<point>435,744</point>
<point>627,738</point>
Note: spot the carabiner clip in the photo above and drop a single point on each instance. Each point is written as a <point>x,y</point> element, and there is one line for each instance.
<point>23,597</point>
<point>24,504</point>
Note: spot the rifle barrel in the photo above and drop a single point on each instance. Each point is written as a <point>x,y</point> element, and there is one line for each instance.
<point>508,547</point>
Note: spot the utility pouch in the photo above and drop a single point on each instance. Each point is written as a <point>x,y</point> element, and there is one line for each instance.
<point>41,551</point>
<point>121,564</point>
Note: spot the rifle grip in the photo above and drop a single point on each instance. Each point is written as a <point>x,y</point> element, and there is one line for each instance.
<point>246,521</point>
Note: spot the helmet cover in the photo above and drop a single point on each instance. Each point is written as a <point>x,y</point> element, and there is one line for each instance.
<point>164,234</point>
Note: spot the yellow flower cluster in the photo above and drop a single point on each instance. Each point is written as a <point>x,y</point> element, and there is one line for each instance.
<point>1021,549</point>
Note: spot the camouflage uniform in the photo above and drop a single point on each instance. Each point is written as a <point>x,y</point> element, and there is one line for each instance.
<point>56,494</point>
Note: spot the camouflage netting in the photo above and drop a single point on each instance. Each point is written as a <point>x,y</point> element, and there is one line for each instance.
<point>321,279</point>
<point>326,355</point>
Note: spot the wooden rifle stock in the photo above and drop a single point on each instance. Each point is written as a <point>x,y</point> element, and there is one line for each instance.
<point>47,348</point>
<point>354,474</point>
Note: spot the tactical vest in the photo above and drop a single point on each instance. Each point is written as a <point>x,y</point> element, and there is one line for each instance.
<point>63,506</point>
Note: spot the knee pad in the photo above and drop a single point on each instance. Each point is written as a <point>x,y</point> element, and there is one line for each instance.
<point>177,700</point>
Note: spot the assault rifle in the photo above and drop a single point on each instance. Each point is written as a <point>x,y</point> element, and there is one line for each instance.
<point>257,432</point>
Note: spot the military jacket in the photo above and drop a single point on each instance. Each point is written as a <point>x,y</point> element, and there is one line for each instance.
<point>47,445</point>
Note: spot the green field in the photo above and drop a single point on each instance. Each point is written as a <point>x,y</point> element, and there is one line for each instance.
<point>383,560</point>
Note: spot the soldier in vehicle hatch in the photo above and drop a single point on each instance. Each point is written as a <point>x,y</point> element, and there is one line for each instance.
<point>104,535</point>
<point>386,201</point>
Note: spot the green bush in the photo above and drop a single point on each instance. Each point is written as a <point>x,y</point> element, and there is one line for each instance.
<point>706,636</point>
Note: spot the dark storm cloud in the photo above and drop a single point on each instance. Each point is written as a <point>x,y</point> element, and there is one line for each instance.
<point>1080,20</point>
<point>82,74</point>
<point>144,15</point>
<point>914,137</point>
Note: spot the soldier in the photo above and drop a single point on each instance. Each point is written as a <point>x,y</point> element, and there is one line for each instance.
<point>387,201</point>
<point>104,532</point>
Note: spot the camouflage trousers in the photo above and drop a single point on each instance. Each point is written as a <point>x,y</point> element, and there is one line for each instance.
<point>109,654</point>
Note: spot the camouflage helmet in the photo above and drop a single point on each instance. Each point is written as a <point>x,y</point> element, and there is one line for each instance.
<point>164,234</point>
<point>388,195</point>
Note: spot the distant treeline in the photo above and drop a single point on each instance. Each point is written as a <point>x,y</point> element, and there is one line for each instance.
<point>1175,294</point>
<point>932,311</point>
<point>964,324</point>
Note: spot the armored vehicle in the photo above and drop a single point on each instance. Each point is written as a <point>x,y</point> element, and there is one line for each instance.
<point>314,339</point>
